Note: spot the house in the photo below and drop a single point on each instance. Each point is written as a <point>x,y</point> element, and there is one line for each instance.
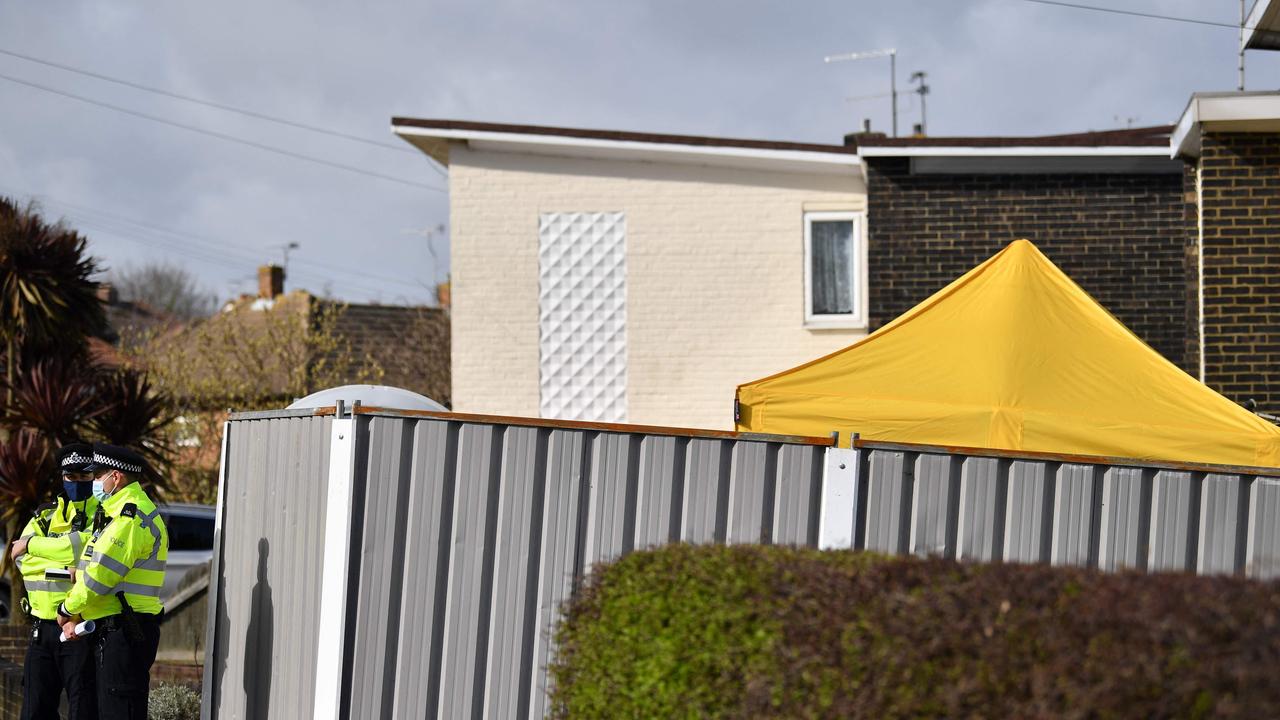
<point>1107,207</point>
<point>637,277</point>
<point>401,345</point>
<point>1231,145</point>
<point>617,276</point>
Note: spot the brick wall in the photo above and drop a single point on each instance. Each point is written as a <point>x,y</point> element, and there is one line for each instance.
<point>1120,237</point>
<point>13,650</point>
<point>1191,261</point>
<point>1240,186</point>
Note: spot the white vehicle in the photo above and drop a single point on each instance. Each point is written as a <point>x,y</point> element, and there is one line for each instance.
<point>190,541</point>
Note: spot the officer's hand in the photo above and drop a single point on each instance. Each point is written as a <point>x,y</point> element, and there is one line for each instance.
<point>19,548</point>
<point>69,629</point>
<point>73,573</point>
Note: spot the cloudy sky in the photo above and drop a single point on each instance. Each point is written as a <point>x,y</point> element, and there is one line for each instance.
<point>142,190</point>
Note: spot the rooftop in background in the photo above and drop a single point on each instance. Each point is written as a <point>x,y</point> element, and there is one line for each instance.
<point>1262,28</point>
<point>1131,141</point>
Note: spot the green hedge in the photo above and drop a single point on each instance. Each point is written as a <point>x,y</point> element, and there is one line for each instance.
<point>764,632</point>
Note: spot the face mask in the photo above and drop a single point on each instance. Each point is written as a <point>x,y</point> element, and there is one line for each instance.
<point>98,492</point>
<point>78,490</point>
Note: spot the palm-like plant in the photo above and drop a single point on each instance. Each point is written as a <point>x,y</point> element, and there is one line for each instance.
<point>48,298</point>
<point>26,480</point>
<point>56,396</point>
<point>133,413</point>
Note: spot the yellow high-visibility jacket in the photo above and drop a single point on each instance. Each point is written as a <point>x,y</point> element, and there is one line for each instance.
<point>55,536</point>
<point>127,555</point>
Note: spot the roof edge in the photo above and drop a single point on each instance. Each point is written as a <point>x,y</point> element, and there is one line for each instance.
<point>459,127</point>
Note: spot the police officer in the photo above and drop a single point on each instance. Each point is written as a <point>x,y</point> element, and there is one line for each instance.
<point>118,584</point>
<point>52,541</point>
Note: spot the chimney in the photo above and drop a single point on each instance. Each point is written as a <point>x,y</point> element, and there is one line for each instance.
<point>442,294</point>
<point>270,281</point>
<point>107,293</point>
<point>852,139</point>
<point>917,130</point>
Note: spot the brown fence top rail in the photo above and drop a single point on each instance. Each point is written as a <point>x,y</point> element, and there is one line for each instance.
<point>596,426</point>
<point>1068,458</point>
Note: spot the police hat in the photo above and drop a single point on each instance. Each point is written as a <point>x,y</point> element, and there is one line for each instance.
<point>114,457</point>
<point>75,457</point>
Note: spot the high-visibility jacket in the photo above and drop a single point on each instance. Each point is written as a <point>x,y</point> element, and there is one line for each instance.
<point>127,555</point>
<point>55,537</point>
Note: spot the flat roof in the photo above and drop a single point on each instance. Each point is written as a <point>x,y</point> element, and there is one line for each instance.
<point>436,137</point>
<point>1126,146</point>
<point>1143,141</point>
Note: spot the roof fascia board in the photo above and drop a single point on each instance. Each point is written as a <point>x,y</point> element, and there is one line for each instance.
<point>1258,34</point>
<point>558,141</point>
<point>1185,139</point>
<point>1210,108</point>
<point>1017,151</point>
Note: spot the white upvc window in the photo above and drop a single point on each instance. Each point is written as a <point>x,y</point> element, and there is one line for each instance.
<point>835,270</point>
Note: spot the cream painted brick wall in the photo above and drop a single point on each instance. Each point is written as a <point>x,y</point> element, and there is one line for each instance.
<point>715,277</point>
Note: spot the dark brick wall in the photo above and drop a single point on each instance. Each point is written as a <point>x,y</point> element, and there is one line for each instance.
<point>13,650</point>
<point>1120,237</point>
<point>1240,186</point>
<point>1191,218</point>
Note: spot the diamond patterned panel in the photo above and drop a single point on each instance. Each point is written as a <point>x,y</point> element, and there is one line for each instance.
<point>582,321</point>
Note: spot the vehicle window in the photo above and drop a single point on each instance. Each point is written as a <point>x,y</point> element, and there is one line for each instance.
<point>190,533</point>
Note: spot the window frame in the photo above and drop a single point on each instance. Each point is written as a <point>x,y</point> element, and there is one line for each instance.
<point>858,273</point>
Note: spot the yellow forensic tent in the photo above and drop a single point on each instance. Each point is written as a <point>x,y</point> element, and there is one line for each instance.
<point>1013,355</point>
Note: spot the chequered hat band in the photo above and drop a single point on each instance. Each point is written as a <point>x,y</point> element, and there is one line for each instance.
<point>100,459</point>
<point>76,459</point>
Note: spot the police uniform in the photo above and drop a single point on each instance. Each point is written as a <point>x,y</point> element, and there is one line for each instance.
<point>118,586</point>
<point>55,537</point>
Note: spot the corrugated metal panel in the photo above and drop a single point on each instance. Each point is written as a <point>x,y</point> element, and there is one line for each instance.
<point>888,509</point>
<point>661,490</point>
<point>983,484</point>
<point>935,505</point>
<point>470,570</point>
<point>1028,506</point>
<point>468,536</point>
<point>1262,557</point>
<point>611,519</point>
<point>1126,518</point>
<point>430,505</point>
<point>1075,540</point>
<point>266,588</point>
<point>1223,505</point>
<point>751,487</point>
<point>798,496</point>
<point>380,571</point>
<point>704,514</point>
<point>524,463</point>
<point>1175,508</point>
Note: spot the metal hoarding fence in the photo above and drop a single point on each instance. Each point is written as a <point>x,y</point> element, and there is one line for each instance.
<point>437,549</point>
<point>385,563</point>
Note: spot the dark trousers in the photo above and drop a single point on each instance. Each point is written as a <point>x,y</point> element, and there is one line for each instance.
<point>124,668</point>
<point>51,667</point>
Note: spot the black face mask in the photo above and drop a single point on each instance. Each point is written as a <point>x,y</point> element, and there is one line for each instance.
<point>78,491</point>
